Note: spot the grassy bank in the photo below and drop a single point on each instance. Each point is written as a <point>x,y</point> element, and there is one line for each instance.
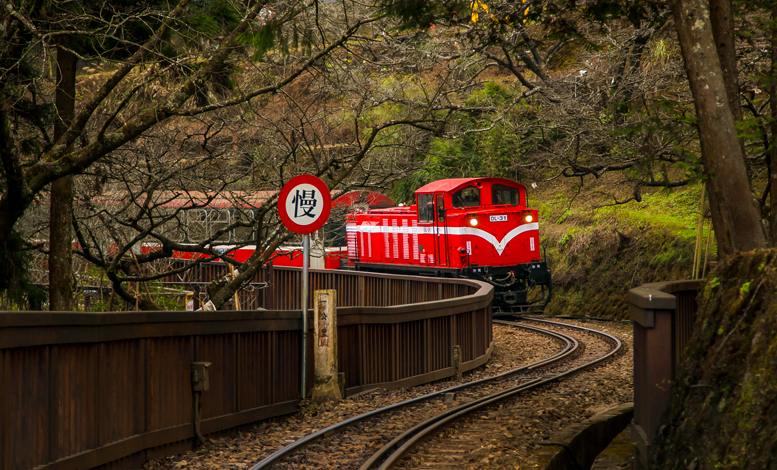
<point>598,252</point>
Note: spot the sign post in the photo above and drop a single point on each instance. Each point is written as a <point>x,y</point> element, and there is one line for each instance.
<point>304,205</point>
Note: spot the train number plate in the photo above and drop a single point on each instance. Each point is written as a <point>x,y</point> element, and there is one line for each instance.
<point>498,218</point>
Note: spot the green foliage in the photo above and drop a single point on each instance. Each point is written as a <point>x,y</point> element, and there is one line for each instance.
<point>565,239</point>
<point>492,153</point>
<point>209,18</point>
<point>446,159</point>
<point>492,94</point>
<point>262,40</point>
<point>104,306</point>
<point>745,289</point>
<point>166,298</point>
<point>637,13</point>
<point>421,13</point>
<point>660,51</point>
<point>665,257</point>
<point>598,254</point>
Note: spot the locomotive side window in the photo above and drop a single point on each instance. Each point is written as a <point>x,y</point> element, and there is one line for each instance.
<point>440,210</point>
<point>425,208</point>
<point>505,195</point>
<point>466,197</point>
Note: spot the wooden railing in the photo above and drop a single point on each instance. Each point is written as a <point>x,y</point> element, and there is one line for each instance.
<point>663,315</point>
<point>82,390</point>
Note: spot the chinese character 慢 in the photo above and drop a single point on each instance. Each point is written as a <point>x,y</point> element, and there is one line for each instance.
<point>304,203</point>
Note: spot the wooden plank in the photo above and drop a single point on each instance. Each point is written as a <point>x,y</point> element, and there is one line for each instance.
<point>68,334</point>
<point>53,435</point>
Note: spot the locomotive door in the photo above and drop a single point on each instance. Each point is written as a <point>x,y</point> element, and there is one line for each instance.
<point>440,230</point>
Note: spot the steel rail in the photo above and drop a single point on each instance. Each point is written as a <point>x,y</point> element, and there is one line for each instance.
<point>394,451</point>
<point>570,347</point>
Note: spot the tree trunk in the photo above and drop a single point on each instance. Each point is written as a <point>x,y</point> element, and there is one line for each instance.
<point>722,20</point>
<point>724,162</point>
<point>60,233</point>
<point>773,151</point>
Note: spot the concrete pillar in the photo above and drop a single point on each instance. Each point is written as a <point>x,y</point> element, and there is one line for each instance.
<point>456,361</point>
<point>325,386</point>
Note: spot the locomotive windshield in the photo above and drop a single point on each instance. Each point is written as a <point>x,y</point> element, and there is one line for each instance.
<point>505,195</point>
<point>425,208</point>
<point>466,197</point>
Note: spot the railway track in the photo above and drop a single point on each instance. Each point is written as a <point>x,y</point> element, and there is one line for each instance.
<point>387,437</point>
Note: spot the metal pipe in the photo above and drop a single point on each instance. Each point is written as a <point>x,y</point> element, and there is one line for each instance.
<point>200,440</point>
<point>305,265</point>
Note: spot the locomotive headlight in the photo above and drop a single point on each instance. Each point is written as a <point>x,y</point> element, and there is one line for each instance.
<point>529,218</point>
<point>474,221</point>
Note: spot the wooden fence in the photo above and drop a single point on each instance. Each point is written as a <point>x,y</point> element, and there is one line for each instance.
<point>111,390</point>
<point>664,314</point>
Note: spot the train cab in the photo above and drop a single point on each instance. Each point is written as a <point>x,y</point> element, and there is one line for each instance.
<point>465,227</point>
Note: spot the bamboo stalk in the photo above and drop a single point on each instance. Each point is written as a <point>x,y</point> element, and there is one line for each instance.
<point>707,249</point>
<point>699,237</point>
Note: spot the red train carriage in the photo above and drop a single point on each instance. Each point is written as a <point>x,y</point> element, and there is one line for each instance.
<point>205,214</point>
<point>478,228</point>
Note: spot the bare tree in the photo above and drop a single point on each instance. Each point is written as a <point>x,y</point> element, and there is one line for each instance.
<point>319,88</point>
<point>615,108</point>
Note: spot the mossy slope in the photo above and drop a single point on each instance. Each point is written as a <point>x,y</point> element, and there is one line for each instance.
<point>723,409</point>
<point>596,261</point>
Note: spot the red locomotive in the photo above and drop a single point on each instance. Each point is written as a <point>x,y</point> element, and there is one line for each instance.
<point>478,228</point>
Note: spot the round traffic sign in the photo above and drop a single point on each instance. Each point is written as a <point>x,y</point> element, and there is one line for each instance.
<point>304,204</point>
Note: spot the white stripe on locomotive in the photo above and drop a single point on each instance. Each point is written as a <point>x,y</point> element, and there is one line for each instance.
<point>499,245</point>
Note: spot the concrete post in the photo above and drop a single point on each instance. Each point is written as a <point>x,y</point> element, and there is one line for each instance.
<point>325,386</point>
<point>456,360</point>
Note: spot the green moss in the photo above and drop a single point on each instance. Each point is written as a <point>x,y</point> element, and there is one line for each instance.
<point>745,289</point>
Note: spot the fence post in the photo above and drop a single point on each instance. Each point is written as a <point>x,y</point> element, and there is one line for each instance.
<point>269,298</point>
<point>325,386</point>
<point>651,310</point>
<point>456,360</point>
<point>658,345</point>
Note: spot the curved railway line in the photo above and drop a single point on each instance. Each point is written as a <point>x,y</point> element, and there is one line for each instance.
<point>441,429</point>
